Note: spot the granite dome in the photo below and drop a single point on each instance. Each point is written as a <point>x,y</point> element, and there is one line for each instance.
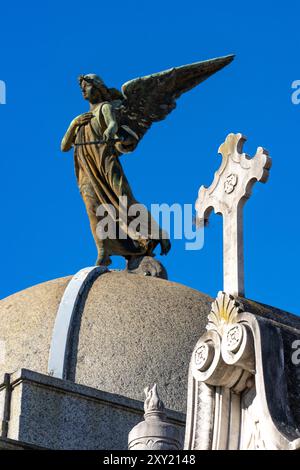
<point>129,331</point>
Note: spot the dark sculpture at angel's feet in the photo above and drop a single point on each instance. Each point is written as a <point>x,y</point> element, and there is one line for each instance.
<point>115,124</point>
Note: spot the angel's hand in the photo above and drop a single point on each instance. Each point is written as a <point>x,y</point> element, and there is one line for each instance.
<point>83,119</point>
<point>108,134</point>
<point>70,135</point>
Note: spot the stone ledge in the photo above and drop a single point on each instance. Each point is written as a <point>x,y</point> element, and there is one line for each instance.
<point>11,444</point>
<point>59,414</point>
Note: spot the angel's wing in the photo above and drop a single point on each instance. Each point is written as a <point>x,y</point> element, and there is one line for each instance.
<point>151,98</point>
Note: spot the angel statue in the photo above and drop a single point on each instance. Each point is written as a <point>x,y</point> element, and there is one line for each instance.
<point>115,124</point>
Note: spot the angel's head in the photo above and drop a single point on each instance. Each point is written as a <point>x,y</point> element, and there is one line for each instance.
<point>94,89</point>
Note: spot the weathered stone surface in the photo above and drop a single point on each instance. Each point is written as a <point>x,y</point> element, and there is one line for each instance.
<point>11,444</point>
<point>139,328</point>
<point>59,414</point>
<point>131,331</point>
<point>230,189</point>
<point>146,266</point>
<point>155,432</point>
<point>244,380</point>
<point>26,323</point>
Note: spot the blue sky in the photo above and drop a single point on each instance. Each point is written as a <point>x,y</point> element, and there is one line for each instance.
<point>45,46</point>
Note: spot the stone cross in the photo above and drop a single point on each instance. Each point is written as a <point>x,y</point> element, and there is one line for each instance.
<point>227,195</point>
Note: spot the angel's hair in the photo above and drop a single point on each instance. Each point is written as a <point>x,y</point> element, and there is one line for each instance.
<point>108,94</point>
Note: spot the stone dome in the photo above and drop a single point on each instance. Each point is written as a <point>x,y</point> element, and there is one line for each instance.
<point>129,332</point>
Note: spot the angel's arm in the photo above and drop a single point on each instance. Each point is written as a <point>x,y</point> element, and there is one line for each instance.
<point>69,137</point>
<point>128,140</point>
<point>110,121</point>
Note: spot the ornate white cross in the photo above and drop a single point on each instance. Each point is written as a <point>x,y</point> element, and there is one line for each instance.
<point>227,195</point>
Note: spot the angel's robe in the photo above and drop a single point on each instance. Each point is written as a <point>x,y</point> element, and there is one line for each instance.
<point>102,181</point>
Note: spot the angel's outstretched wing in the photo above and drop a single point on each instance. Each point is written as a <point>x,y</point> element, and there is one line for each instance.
<point>151,98</point>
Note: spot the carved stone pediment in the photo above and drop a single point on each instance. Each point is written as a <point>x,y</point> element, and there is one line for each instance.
<point>244,385</point>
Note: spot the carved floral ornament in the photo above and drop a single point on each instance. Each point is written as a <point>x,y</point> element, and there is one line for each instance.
<point>230,183</point>
<point>224,311</point>
<point>224,355</point>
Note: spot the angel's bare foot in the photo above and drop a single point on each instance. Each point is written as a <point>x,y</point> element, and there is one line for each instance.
<point>103,260</point>
<point>165,245</point>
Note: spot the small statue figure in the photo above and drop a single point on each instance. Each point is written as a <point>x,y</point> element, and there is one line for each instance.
<point>115,124</point>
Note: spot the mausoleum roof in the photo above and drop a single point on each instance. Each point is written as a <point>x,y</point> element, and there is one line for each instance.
<point>127,331</point>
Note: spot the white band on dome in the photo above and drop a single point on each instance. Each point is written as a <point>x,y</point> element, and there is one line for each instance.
<point>60,342</point>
